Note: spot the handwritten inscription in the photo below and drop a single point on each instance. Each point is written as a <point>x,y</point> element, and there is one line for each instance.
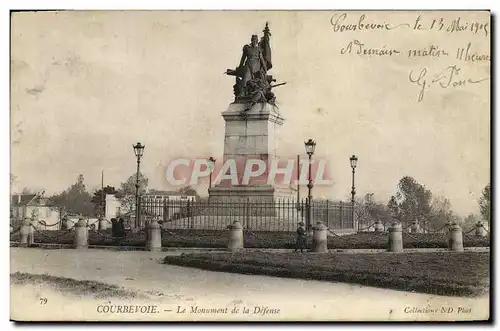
<point>468,52</point>
<point>339,24</point>
<point>456,25</point>
<point>431,51</point>
<point>465,53</point>
<point>449,77</point>
<point>356,47</point>
<point>342,23</point>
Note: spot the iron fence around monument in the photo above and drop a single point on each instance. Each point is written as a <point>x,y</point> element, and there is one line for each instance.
<point>277,215</point>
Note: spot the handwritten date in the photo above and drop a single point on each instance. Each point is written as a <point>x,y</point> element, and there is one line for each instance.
<point>450,77</point>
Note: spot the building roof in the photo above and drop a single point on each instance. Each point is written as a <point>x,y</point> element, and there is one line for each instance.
<point>168,193</point>
<point>22,199</point>
<point>29,200</point>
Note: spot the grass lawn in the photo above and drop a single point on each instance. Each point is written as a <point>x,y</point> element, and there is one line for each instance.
<point>77,287</point>
<point>441,273</point>
<point>218,239</point>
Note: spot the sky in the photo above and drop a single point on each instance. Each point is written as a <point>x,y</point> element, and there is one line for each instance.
<point>85,86</point>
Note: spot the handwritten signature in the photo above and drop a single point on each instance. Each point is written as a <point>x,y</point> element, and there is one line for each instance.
<point>449,77</point>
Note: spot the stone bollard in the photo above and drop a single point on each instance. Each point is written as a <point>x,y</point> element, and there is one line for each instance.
<point>235,241</point>
<point>455,241</point>
<point>396,238</point>
<point>153,231</point>
<point>379,227</point>
<point>415,227</point>
<point>67,224</point>
<point>319,238</point>
<point>81,236</point>
<point>102,224</point>
<point>27,238</point>
<point>480,230</point>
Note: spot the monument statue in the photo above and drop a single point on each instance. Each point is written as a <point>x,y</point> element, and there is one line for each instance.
<point>250,132</point>
<point>253,84</point>
<point>252,61</point>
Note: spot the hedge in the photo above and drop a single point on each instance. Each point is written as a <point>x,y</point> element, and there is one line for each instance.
<point>277,240</point>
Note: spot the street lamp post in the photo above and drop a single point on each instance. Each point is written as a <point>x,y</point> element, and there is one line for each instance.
<point>310,147</point>
<point>211,163</point>
<point>354,161</point>
<point>139,151</point>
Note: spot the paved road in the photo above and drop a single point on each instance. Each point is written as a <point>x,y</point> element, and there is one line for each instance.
<point>171,286</point>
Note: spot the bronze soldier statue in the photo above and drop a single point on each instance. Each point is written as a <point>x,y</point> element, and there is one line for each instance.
<point>252,63</point>
<point>253,84</point>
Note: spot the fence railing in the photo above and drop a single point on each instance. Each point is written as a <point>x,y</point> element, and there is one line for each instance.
<point>277,215</point>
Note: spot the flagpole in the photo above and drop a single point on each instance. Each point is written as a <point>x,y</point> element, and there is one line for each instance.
<point>102,194</point>
<point>298,178</point>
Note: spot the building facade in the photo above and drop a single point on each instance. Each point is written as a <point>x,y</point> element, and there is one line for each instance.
<point>115,209</point>
<point>35,207</point>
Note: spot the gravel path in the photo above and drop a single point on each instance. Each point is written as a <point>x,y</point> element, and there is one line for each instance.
<point>171,286</point>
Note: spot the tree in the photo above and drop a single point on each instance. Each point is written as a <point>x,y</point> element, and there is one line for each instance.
<point>99,202</point>
<point>27,190</point>
<point>79,183</point>
<point>441,212</point>
<point>75,200</point>
<point>127,191</point>
<point>34,214</point>
<point>411,202</point>
<point>368,211</point>
<point>188,190</point>
<point>470,221</point>
<point>394,207</point>
<point>485,203</point>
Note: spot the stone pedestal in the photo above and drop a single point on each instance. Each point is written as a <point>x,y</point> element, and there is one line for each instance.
<point>81,235</point>
<point>319,240</point>
<point>396,238</point>
<point>153,231</point>
<point>102,224</point>
<point>235,239</point>
<point>480,230</point>
<point>68,224</point>
<point>455,239</point>
<point>27,235</point>
<point>415,227</point>
<point>378,226</point>
<point>250,136</point>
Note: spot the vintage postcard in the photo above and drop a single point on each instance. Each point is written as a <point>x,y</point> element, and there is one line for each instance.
<point>250,165</point>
